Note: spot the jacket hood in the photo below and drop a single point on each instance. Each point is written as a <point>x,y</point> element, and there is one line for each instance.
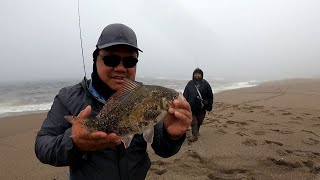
<point>197,70</point>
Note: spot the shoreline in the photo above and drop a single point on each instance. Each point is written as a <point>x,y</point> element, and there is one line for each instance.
<point>40,106</point>
<point>24,113</point>
<point>270,131</point>
<point>262,83</point>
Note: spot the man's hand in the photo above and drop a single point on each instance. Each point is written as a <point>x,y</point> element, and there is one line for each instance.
<point>86,141</point>
<point>179,118</point>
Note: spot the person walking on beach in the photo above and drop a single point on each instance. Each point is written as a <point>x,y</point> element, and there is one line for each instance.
<point>98,155</point>
<point>199,94</point>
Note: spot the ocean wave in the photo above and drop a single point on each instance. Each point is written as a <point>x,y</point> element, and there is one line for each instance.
<point>17,99</point>
<point>4,109</point>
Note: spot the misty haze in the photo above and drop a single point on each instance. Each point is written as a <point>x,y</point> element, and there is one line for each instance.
<point>261,59</point>
<point>246,40</point>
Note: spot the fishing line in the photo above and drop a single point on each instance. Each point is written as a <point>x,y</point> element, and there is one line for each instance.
<point>80,33</point>
<point>196,62</point>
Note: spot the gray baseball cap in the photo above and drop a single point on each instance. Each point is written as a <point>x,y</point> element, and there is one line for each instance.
<point>117,34</point>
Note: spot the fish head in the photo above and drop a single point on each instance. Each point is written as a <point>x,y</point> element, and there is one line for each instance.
<point>165,95</point>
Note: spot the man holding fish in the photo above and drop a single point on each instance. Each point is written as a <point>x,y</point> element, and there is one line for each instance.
<point>115,117</point>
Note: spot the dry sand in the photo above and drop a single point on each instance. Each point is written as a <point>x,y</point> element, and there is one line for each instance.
<point>271,131</point>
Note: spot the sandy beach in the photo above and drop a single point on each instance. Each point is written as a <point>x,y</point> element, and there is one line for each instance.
<point>271,131</point>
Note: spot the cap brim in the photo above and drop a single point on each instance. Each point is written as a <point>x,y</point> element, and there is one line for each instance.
<point>117,43</point>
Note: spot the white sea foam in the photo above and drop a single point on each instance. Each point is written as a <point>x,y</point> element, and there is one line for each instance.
<point>6,110</point>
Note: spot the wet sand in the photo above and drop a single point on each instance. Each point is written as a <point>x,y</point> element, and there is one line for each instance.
<point>267,132</point>
<point>271,131</point>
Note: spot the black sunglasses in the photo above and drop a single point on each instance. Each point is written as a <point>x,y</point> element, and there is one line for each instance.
<point>114,61</point>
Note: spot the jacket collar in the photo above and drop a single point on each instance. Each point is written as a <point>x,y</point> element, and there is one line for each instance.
<point>87,85</point>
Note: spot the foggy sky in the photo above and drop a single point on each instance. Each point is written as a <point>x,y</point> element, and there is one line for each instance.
<point>247,39</point>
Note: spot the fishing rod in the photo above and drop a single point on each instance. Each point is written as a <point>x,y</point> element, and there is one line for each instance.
<point>80,33</point>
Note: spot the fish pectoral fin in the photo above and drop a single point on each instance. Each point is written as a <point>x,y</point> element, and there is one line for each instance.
<point>161,116</point>
<point>181,96</point>
<point>75,119</point>
<point>148,135</point>
<point>127,140</point>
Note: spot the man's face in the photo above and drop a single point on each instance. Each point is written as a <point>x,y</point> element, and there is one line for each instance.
<point>197,76</point>
<point>113,76</point>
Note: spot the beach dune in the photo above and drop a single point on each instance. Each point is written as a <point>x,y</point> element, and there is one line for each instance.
<point>271,131</point>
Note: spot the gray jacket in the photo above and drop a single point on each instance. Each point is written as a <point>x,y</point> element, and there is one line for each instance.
<point>54,146</point>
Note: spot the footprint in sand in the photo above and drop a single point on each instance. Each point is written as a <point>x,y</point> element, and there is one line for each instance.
<point>235,106</point>
<point>196,155</point>
<point>230,115</point>
<point>158,162</point>
<point>306,154</point>
<point>158,167</point>
<point>294,122</point>
<point>296,118</point>
<point>243,129</point>
<point>286,113</point>
<point>270,124</point>
<point>284,131</point>
<point>230,174</point>
<point>315,169</point>
<point>308,163</point>
<point>273,142</point>
<point>311,132</point>
<point>159,171</point>
<point>259,132</point>
<point>237,123</point>
<point>265,111</point>
<point>316,125</point>
<point>270,114</point>
<point>241,134</point>
<point>315,118</point>
<point>250,142</point>
<point>282,152</point>
<point>221,132</point>
<point>251,120</point>
<point>310,141</point>
<point>285,162</point>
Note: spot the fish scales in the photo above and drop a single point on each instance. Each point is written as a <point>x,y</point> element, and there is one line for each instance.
<point>136,112</point>
<point>135,108</point>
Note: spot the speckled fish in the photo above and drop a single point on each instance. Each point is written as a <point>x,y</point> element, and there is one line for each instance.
<point>135,108</point>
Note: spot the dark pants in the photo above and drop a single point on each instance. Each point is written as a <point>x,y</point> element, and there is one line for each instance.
<point>197,120</point>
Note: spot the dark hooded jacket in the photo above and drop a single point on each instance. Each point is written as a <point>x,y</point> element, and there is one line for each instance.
<point>192,96</point>
<point>54,146</point>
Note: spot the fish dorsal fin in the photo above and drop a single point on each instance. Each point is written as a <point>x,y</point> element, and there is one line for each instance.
<point>117,97</point>
<point>128,87</point>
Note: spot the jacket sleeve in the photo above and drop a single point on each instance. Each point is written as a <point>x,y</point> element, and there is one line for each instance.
<point>209,97</point>
<point>163,145</point>
<point>53,144</point>
<point>186,93</point>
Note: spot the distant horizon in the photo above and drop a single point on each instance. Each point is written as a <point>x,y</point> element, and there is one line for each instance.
<point>235,79</point>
